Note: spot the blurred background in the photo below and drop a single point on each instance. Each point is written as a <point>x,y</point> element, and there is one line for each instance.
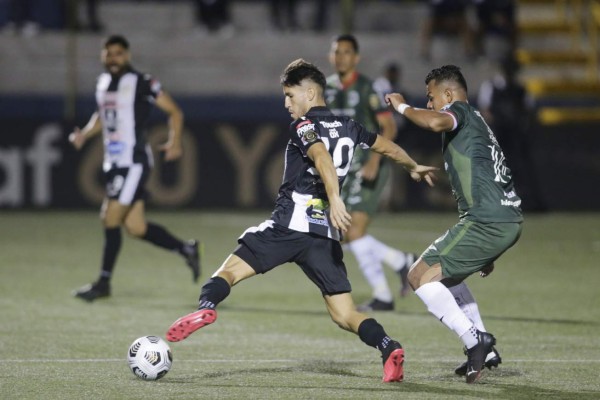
<point>531,66</point>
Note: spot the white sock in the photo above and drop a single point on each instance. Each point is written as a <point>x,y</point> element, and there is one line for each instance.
<point>439,302</point>
<point>465,300</point>
<point>395,258</point>
<point>370,265</point>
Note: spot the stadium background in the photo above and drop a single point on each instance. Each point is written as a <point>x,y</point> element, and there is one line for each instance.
<point>235,123</point>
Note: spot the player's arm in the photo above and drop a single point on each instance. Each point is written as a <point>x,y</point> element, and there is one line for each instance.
<point>79,136</point>
<point>173,148</point>
<point>388,130</point>
<point>390,149</point>
<point>428,119</point>
<point>324,164</point>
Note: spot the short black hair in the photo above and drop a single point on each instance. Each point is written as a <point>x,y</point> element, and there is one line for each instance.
<point>116,39</point>
<point>447,73</point>
<point>299,70</point>
<point>346,37</point>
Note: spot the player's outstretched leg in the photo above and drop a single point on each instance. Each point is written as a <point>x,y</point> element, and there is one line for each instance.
<point>188,324</point>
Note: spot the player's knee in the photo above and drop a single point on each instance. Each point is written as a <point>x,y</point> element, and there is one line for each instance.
<point>414,278</point>
<point>135,230</point>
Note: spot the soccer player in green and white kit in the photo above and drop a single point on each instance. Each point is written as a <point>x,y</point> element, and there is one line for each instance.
<point>352,94</point>
<point>490,214</point>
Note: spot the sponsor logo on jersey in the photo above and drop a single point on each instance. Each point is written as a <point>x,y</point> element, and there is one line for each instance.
<point>334,124</point>
<point>510,203</point>
<point>115,148</point>
<point>315,212</point>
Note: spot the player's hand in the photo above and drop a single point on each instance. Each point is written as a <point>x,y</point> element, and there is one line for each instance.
<point>77,138</point>
<point>487,270</point>
<point>394,99</point>
<point>339,217</point>
<point>369,170</point>
<point>425,172</point>
<point>172,151</point>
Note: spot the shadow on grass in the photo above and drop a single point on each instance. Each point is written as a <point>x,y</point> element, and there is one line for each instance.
<point>254,378</point>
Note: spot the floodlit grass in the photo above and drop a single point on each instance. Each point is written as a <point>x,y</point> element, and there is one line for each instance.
<point>273,338</point>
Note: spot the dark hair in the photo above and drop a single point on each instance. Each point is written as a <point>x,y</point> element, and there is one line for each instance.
<point>346,37</point>
<point>299,70</point>
<point>447,73</point>
<point>116,39</point>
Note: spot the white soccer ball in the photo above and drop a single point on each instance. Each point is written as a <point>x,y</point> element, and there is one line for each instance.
<point>149,358</point>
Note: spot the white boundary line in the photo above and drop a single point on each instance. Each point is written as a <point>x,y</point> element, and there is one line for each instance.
<point>264,361</point>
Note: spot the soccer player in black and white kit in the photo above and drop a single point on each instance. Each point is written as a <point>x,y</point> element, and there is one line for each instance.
<point>125,97</point>
<point>309,214</point>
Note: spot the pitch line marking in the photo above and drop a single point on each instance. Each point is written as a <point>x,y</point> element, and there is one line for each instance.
<point>265,361</point>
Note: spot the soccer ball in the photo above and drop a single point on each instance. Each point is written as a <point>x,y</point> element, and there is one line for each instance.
<point>149,358</point>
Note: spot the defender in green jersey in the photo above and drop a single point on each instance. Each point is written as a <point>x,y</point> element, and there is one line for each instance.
<point>352,94</point>
<point>489,208</point>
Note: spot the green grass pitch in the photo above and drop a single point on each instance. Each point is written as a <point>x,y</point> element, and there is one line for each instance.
<point>273,338</point>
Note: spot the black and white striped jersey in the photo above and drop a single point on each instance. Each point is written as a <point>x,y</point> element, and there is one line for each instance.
<point>302,203</point>
<point>124,104</point>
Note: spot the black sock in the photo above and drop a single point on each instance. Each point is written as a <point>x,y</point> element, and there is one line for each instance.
<point>160,237</point>
<point>372,333</point>
<point>112,245</point>
<point>213,292</point>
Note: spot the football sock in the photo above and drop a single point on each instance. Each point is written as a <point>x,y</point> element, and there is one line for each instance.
<point>395,258</point>
<point>214,291</point>
<point>439,302</point>
<point>160,237</point>
<point>373,334</point>
<point>469,338</point>
<point>465,300</point>
<point>112,245</point>
<point>370,265</point>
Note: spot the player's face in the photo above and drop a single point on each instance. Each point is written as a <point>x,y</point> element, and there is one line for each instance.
<point>296,100</point>
<point>437,96</point>
<point>343,57</point>
<point>115,59</point>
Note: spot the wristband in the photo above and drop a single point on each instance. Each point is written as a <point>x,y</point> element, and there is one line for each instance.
<point>402,107</point>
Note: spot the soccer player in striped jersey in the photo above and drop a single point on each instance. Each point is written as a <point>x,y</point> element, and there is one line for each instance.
<point>309,216</point>
<point>124,97</point>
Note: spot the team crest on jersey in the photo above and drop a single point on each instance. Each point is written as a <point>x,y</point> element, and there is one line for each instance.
<point>315,212</point>
<point>307,133</point>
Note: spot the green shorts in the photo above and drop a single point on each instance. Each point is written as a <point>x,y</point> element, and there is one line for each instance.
<point>469,246</point>
<point>360,195</point>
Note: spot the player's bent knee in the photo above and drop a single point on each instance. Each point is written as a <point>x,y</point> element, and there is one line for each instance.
<point>414,278</point>
<point>137,231</point>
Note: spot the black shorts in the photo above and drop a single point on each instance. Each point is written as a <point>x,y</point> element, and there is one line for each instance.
<point>270,245</point>
<point>127,184</point>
